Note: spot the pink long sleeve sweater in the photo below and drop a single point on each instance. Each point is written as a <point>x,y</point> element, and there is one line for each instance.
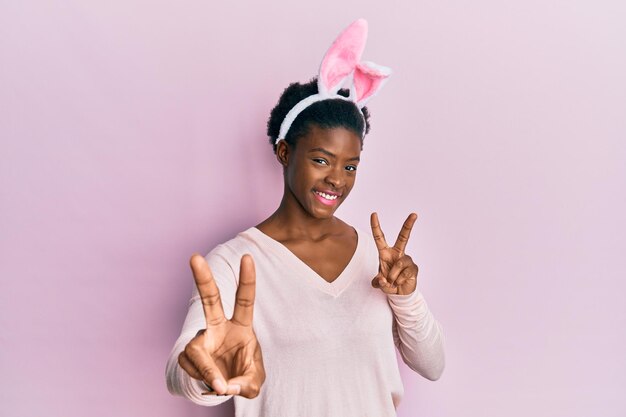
<point>328,348</point>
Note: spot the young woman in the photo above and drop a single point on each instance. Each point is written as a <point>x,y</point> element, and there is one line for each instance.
<point>331,302</point>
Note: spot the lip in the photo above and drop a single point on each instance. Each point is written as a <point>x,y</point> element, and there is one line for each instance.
<point>329,192</point>
<point>325,201</point>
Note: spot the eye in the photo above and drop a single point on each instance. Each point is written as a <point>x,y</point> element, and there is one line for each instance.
<point>320,161</point>
<point>351,168</point>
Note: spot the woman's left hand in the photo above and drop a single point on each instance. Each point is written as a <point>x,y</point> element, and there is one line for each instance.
<point>397,273</point>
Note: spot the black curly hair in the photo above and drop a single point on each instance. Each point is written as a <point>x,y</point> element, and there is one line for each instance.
<point>326,114</point>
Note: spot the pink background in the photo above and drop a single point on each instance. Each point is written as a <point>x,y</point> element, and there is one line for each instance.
<point>133,134</point>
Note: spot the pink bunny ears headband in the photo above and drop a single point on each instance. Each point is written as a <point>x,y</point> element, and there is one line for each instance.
<point>341,65</point>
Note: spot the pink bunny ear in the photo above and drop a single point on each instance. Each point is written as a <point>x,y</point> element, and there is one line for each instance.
<point>368,80</point>
<point>342,58</point>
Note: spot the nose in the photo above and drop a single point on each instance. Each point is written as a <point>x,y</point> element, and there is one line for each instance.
<point>335,178</point>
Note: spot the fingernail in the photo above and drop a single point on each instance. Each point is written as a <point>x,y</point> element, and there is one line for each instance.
<point>234,389</point>
<point>218,385</point>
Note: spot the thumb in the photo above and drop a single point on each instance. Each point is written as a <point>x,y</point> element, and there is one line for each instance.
<point>248,386</point>
<point>376,280</point>
<point>206,367</point>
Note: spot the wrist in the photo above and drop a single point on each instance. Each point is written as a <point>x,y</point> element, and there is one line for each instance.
<point>404,299</point>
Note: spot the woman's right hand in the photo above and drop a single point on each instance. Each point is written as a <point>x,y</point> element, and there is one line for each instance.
<point>226,355</point>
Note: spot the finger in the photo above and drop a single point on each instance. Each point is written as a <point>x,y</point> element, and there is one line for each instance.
<point>207,288</point>
<point>405,232</point>
<point>404,281</point>
<point>399,266</point>
<point>379,236</point>
<point>188,367</point>
<point>244,300</point>
<point>206,367</point>
<point>388,289</point>
<point>375,282</point>
<point>249,383</point>
<point>407,275</point>
<point>381,283</point>
<point>246,385</point>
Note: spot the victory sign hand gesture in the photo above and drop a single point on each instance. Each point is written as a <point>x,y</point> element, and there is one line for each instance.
<point>226,355</point>
<point>397,273</point>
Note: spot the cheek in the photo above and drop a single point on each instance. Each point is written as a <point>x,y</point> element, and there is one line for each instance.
<point>350,181</point>
<point>298,176</point>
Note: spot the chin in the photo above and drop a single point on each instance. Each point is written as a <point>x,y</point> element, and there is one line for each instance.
<point>324,214</point>
<point>327,216</point>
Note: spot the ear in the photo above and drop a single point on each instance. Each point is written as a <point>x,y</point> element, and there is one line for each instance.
<point>342,57</point>
<point>282,153</point>
<point>369,78</point>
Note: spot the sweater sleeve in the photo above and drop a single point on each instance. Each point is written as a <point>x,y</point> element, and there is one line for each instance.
<point>417,334</point>
<point>178,381</point>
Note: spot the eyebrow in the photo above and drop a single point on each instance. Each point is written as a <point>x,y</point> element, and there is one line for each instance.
<point>324,151</point>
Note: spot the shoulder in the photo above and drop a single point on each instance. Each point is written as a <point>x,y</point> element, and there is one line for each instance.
<point>229,253</point>
<point>249,241</point>
<point>367,240</point>
<point>235,245</point>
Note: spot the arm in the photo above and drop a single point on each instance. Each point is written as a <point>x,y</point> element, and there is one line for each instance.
<point>417,334</point>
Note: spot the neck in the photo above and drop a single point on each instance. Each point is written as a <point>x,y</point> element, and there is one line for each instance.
<point>291,221</point>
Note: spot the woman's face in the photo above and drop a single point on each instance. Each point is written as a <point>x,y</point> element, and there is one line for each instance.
<point>321,169</point>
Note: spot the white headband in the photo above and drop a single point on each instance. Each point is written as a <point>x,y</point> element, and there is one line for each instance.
<point>341,66</point>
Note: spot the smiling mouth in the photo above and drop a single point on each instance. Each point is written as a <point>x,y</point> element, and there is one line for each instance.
<point>326,196</point>
<point>328,199</point>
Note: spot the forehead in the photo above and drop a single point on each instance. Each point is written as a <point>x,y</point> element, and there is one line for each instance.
<point>340,141</point>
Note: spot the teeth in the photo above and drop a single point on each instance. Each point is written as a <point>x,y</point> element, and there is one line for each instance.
<point>327,196</point>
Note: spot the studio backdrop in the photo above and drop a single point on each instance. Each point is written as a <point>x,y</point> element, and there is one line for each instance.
<point>132,134</point>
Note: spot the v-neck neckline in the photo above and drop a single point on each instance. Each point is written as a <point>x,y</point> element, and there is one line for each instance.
<point>333,288</point>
